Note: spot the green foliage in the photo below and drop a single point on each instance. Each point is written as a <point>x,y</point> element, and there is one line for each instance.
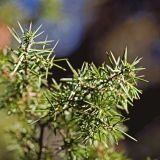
<point>82,114</point>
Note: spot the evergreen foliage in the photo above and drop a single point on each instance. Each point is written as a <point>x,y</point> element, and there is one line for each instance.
<point>80,118</point>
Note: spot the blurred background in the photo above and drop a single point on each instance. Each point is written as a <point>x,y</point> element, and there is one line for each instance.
<point>86,29</point>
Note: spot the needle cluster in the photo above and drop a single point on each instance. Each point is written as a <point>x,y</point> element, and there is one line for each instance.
<point>80,118</point>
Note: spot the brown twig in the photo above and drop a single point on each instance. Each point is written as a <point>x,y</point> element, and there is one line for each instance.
<point>40,142</point>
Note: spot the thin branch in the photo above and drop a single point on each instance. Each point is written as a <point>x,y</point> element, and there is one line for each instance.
<point>40,142</point>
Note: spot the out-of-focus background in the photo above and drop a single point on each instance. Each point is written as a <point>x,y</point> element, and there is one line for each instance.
<point>86,29</point>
